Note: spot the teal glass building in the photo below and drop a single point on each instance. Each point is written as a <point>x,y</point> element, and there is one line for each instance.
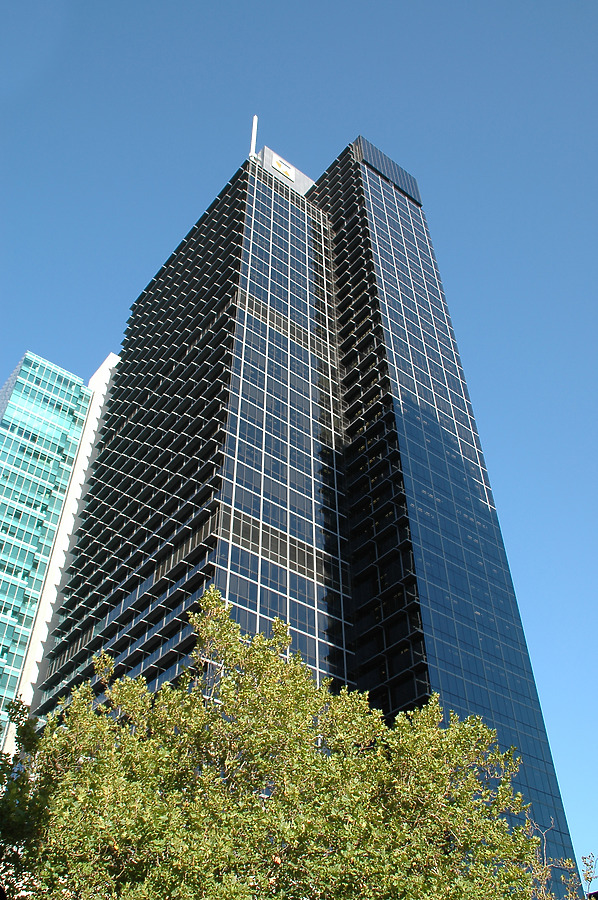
<point>42,413</point>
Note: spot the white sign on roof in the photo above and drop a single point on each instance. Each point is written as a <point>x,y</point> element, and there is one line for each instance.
<point>282,166</point>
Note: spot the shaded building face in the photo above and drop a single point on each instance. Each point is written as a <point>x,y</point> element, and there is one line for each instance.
<point>290,421</point>
<point>434,606</point>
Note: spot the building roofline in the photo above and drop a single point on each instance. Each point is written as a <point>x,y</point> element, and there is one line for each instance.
<point>385,166</point>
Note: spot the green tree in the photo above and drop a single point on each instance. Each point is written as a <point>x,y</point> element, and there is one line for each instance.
<point>589,870</point>
<point>247,780</point>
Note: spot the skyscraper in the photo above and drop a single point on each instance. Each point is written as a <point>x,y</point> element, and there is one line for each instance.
<point>42,412</point>
<point>290,420</point>
<point>98,385</point>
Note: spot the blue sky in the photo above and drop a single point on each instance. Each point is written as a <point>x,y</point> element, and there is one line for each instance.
<point>122,120</point>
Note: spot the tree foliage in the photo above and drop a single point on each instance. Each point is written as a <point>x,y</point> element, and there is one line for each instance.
<point>247,780</point>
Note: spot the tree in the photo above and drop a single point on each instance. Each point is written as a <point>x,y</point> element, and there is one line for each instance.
<point>247,780</point>
<point>589,871</point>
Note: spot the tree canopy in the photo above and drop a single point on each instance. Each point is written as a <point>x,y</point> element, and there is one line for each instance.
<point>247,780</point>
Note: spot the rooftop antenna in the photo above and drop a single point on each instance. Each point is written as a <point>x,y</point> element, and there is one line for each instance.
<point>253,138</point>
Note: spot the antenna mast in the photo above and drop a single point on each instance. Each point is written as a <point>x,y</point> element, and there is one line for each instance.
<point>253,138</point>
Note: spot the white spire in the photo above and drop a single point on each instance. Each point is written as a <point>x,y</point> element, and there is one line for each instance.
<point>253,138</point>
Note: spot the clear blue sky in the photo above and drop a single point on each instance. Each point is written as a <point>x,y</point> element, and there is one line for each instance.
<point>122,120</point>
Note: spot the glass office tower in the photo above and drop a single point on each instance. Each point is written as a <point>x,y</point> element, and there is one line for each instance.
<point>42,412</point>
<point>220,456</point>
<point>290,421</point>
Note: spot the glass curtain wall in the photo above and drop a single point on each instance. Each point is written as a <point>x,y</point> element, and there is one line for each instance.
<point>476,651</point>
<point>42,413</point>
<point>280,549</point>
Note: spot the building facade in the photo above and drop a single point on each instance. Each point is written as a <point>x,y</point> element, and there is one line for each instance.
<point>290,420</point>
<point>68,521</point>
<point>42,413</point>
